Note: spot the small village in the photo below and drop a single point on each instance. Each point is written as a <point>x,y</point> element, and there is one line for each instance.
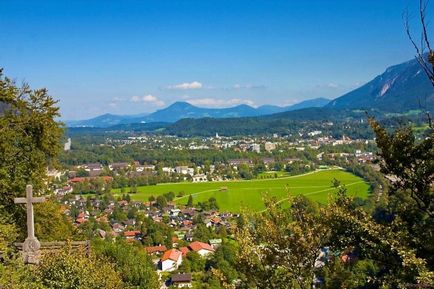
<point>124,220</point>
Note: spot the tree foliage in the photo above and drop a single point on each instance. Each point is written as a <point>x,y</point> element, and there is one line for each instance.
<point>29,142</point>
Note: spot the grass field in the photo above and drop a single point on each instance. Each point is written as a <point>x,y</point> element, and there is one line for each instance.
<point>316,185</point>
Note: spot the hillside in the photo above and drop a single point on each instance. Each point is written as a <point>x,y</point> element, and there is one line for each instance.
<point>400,88</point>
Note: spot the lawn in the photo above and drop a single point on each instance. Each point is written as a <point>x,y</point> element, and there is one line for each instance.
<point>316,185</point>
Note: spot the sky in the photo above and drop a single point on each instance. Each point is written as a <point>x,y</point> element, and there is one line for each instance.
<point>132,57</point>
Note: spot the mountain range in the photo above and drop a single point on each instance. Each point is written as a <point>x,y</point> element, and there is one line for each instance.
<point>399,89</point>
<point>181,110</point>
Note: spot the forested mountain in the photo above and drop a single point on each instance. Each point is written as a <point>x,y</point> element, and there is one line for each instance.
<point>289,122</point>
<point>400,88</point>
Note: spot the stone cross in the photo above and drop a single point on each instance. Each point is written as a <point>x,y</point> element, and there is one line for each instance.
<point>31,244</point>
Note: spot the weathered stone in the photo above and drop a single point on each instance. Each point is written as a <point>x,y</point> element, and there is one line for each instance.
<point>31,245</point>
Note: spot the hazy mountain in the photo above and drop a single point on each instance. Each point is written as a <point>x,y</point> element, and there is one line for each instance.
<point>400,88</point>
<point>180,110</point>
<point>106,120</point>
<point>271,109</point>
<point>316,102</point>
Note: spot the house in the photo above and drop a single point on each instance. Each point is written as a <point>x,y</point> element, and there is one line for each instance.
<point>168,170</point>
<point>255,148</point>
<point>82,217</point>
<point>131,235</point>
<point>94,169</point>
<point>63,191</point>
<point>156,249</point>
<point>184,251</point>
<point>117,228</point>
<point>183,170</point>
<point>202,249</point>
<point>181,280</point>
<point>119,166</point>
<point>174,212</point>
<point>170,260</point>
<point>199,178</point>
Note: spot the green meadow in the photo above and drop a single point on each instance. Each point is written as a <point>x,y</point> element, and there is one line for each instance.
<point>232,195</point>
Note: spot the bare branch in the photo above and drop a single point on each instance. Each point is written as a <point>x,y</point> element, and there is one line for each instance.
<point>422,12</point>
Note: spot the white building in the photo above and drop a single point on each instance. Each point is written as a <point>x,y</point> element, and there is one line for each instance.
<point>202,249</point>
<point>67,145</point>
<point>171,260</point>
<point>199,178</point>
<point>255,148</point>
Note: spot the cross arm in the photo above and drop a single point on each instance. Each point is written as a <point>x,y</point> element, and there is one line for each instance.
<point>32,200</point>
<point>20,200</point>
<point>38,200</point>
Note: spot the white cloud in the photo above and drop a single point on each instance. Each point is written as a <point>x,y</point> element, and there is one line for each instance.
<point>214,102</point>
<point>332,85</point>
<point>148,99</point>
<point>186,86</point>
<point>248,86</point>
<point>329,85</point>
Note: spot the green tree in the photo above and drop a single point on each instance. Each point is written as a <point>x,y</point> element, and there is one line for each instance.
<point>161,202</point>
<point>280,247</point>
<point>76,270</point>
<point>29,142</point>
<point>50,223</point>
<point>132,263</point>
<point>190,201</point>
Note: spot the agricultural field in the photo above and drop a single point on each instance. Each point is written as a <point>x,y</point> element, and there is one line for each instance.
<point>233,195</point>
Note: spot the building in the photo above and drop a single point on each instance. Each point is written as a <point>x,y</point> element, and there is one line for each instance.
<point>199,178</point>
<point>170,260</point>
<point>255,148</point>
<point>202,249</point>
<point>269,146</point>
<point>183,170</point>
<point>155,249</point>
<point>131,235</point>
<point>119,166</point>
<point>67,145</point>
<point>181,280</point>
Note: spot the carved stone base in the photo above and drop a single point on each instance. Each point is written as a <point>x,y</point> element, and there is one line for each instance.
<point>31,245</point>
<point>31,253</point>
<point>32,257</point>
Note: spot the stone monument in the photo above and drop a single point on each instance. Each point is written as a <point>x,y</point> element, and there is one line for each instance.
<point>31,245</point>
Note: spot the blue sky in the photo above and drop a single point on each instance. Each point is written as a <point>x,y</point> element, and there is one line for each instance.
<point>129,57</point>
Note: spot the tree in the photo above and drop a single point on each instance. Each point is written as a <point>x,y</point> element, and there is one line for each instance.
<point>67,269</point>
<point>427,63</point>
<point>169,196</point>
<point>132,263</point>
<point>29,142</point>
<point>424,51</point>
<point>190,201</point>
<point>51,224</point>
<point>279,247</point>
<point>161,202</point>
